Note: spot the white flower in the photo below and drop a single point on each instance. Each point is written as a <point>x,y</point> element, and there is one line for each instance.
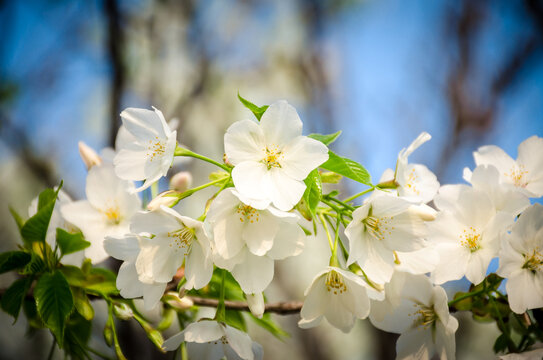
<point>149,156</point>
<point>272,158</point>
<point>88,155</point>
<point>338,295</point>
<point>420,313</point>
<point>383,226</point>
<point>536,354</point>
<point>107,211</point>
<point>175,239</point>
<point>415,181</point>
<point>58,221</point>
<point>521,261</point>
<point>127,248</point>
<point>525,174</point>
<point>466,236</point>
<point>211,340</point>
<point>246,241</point>
<point>484,178</point>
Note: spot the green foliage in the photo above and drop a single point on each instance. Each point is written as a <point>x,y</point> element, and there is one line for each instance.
<point>267,323</point>
<point>325,139</point>
<point>97,281</point>
<point>13,298</point>
<point>330,177</point>
<point>76,337</point>
<point>153,334</point>
<point>258,111</point>
<point>18,219</point>
<point>313,192</point>
<point>36,265</point>
<point>54,301</point>
<point>13,260</point>
<point>69,243</point>
<point>347,167</point>
<point>35,228</point>
<point>82,304</point>
<point>235,319</point>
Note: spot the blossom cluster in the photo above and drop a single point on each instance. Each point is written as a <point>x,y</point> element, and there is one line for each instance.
<point>390,255</point>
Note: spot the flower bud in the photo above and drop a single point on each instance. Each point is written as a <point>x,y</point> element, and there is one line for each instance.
<point>181,181</point>
<point>175,301</point>
<point>167,198</point>
<point>88,155</point>
<point>123,311</point>
<point>425,212</point>
<point>256,304</point>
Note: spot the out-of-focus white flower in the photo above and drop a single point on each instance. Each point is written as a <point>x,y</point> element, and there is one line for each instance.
<point>181,181</point>
<point>107,211</point>
<point>536,354</point>
<point>175,239</point>
<point>521,261</point>
<point>484,178</point>
<point>384,225</point>
<point>420,313</point>
<point>272,158</point>
<point>246,241</point>
<point>525,174</point>
<point>415,181</point>
<point>88,155</point>
<point>211,340</point>
<point>338,295</point>
<point>58,221</point>
<point>150,153</point>
<point>466,236</point>
<point>256,304</point>
<point>127,248</point>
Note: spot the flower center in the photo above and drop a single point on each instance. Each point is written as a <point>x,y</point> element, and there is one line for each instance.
<point>182,239</point>
<point>113,214</point>
<point>424,316</point>
<point>272,157</point>
<point>334,282</point>
<point>518,175</point>
<point>155,149</point>
<point>248,213</point>
<point>378,227</point>
<point>471,239</point>
<point>533,261</point>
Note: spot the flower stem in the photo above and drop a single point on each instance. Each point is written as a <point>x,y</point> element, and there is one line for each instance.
<point>466,296</point>
<point>179,151</point>
<point>351,198</point>
<point>342,203</point>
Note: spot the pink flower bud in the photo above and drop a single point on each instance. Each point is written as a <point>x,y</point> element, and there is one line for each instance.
<point>167,198</point>
<point>181,181</point>
<point>88,155</point>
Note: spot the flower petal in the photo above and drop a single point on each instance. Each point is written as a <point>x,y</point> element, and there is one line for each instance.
<point>302,155</point>
<point>280,123</point>
<point>254,274</point>
<point>244,141</point>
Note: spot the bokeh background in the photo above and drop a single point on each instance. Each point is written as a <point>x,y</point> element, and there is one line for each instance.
<point>468,72</point>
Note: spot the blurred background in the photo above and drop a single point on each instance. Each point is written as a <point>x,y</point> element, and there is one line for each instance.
<point>468,72</point>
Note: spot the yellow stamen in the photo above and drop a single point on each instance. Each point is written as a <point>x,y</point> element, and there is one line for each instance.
<point>113,214</point>
<point>425,316</point>
<point>533,261</point>
<point>471,239</point>
<point>518,175</point>
<point>155,149</point>
<point>334,282</point>
<point>273,155</point>
<point>248,213</point>
<point>182,239</point>
<point>378,227</point>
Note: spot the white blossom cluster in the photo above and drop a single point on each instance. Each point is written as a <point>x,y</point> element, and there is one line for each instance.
<point>400,249</point>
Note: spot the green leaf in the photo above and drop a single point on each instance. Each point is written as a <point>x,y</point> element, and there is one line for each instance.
<point>313,192</point>
<point>330,177</point>
<point>55,302</point>
<point>97,281</point>
<point>13,298</point>
<point>267,323</point>
<point>77,335</point>
<point>35,228</point>
<point>257,110</point>
<point>153,334</point>
<point>35,266</point>
<point>501,343</point>
<point>325,139</point>
<point>347,168</point>
<point>235,318</point>
<point>18,219</point>
<point>13,260</point>
<point>168,315</point>
<point>82,304</point>
<point>70,243</point>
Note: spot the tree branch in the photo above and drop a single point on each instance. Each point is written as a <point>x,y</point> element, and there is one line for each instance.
<point>282,308</point>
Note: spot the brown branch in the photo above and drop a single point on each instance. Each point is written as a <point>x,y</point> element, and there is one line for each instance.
<point>282,308</point>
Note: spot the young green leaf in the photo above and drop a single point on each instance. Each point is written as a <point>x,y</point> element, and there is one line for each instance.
<point>70,243</point>
<point>55,302</point>
<point>13,260</point>
<point>235,319</point>
<point>313,191</point>
<point>35,228</point>
<point>35,266</point>
<point>267,323</point>
<point>258,111</point>
<point>325,139</point>
<point>18,219</point>
<point>82,304</point>
<point>347,168</point>
<point>77,336</point>
<point>13,298</point>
